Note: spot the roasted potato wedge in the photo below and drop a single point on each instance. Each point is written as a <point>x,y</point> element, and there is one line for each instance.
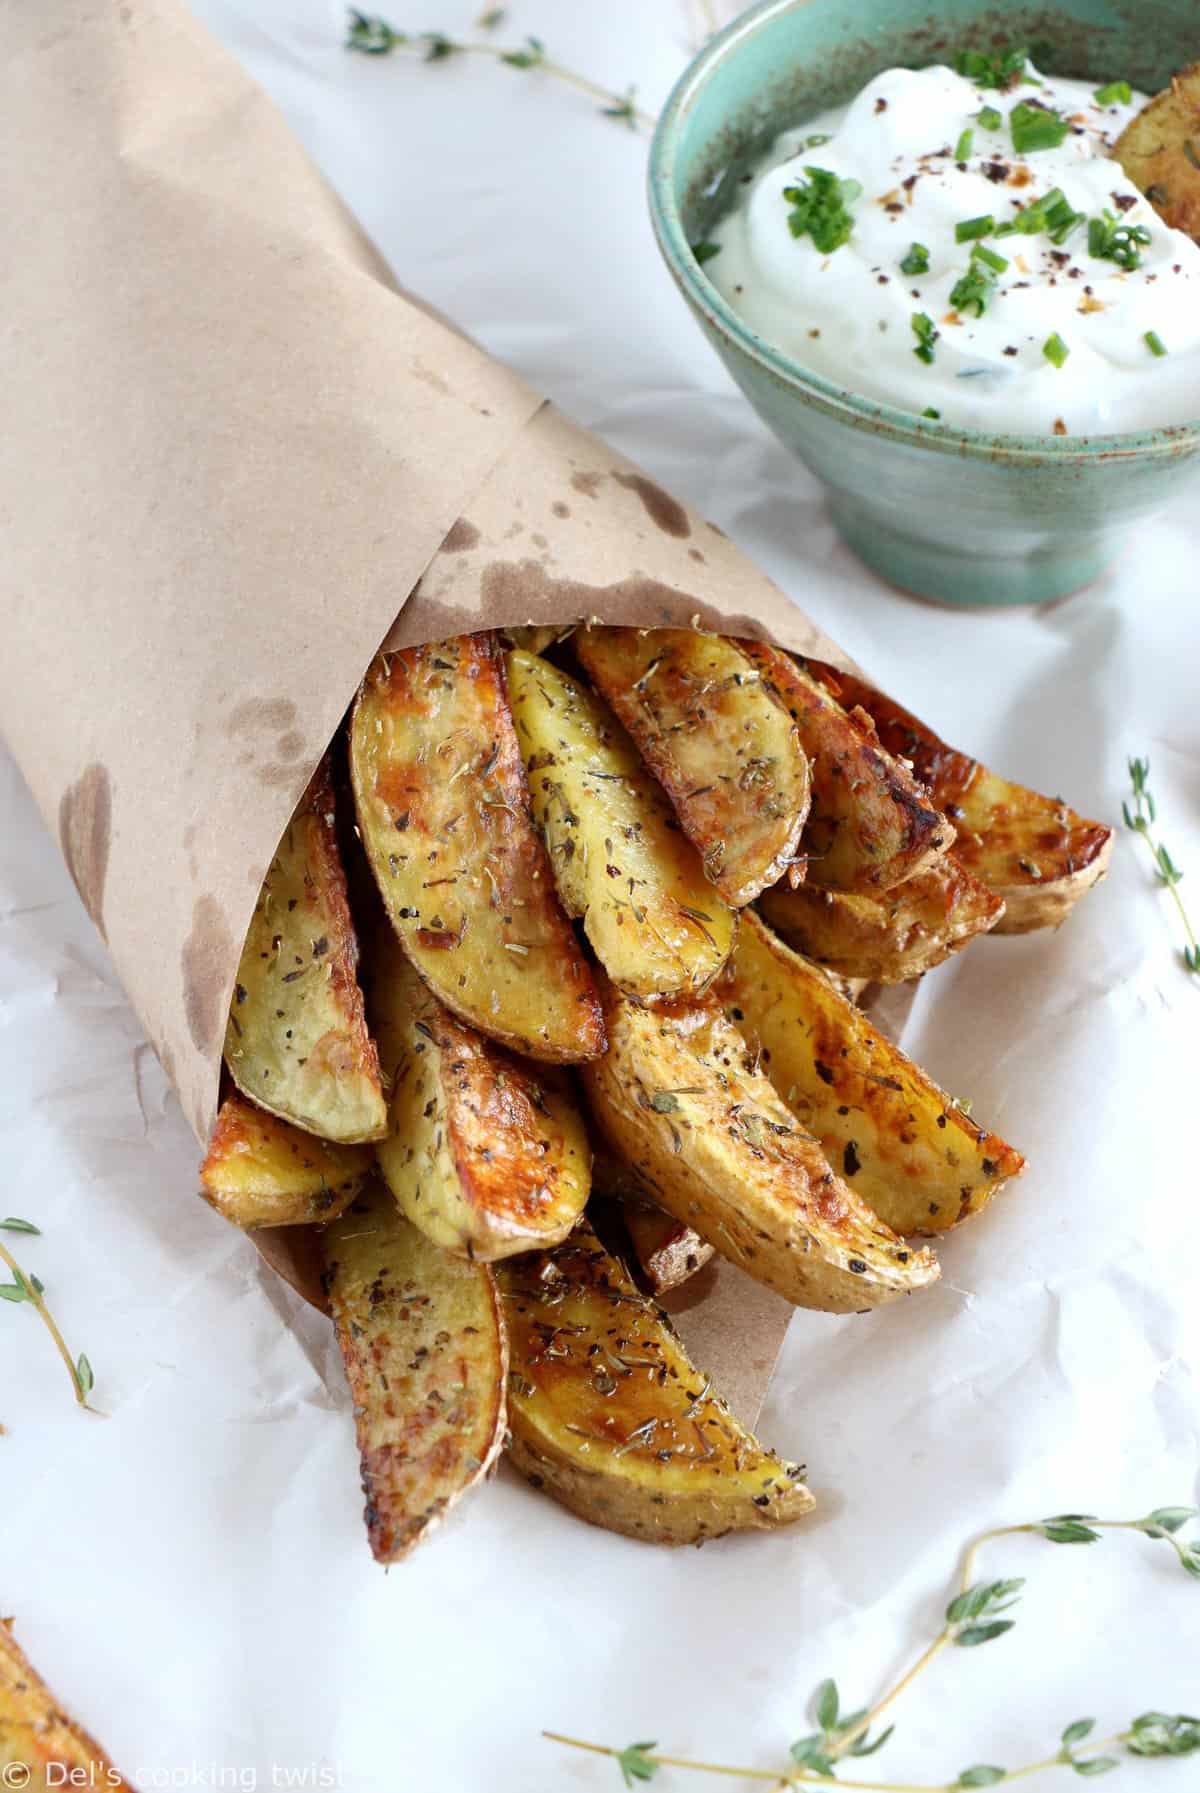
<point>898,934</point>
<point>717,739</point>
<point>870,826</point>
<point>535,638</point>
<point>1037,855</point>
<point>680,1095</point>
<point>1160,152</point>
<point>423,1342</point>
<point>621,862</point>
<point>915,1158</point>
<point>487,1154</point>
<point>443,810</point>
<point>296,1041</point>
<point>36,1734</point>
<point>609,1418</point>
<point>665,1250</point>
<point>260,1171</point>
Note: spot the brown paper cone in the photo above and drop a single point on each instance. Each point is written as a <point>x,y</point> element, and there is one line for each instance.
<point>235,456</point>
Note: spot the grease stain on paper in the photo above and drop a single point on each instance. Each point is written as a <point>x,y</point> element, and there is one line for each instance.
<point>524,588</point>
<point>204,960</point>
<point>586,483</point>
<point>270,714</point>
<point>665,512</point>
<point>85,834</point>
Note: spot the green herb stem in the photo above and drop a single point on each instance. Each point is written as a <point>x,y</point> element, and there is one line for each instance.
<point>1140,819</point>
<point>376,37</point>
<point>80,1376</point>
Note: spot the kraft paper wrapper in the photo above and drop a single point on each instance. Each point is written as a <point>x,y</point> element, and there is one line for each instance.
<point>236,457</point>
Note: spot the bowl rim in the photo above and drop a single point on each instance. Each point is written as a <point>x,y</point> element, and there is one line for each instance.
<point>1164,440</point>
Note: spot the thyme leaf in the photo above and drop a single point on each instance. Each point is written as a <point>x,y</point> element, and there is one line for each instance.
<point>1141,819</point>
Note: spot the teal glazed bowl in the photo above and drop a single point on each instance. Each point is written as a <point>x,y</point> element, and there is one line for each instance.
<point>958,515</point>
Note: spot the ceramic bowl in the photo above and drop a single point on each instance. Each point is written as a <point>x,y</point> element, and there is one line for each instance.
<point>957,515</point>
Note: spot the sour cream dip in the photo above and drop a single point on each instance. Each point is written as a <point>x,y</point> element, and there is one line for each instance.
<point>948,294</point>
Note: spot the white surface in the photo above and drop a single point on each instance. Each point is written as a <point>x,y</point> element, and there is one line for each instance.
<point>191,1572</point>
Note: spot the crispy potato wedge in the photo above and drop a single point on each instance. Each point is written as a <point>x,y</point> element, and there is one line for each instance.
<point>915,1158</point>
<point>621,861</point>
<point>296,1041</point>
<point>680,1095</point>
<point>717,739</point>
<point>37,1735</point>
<point>487,1154</point>
<point>898,934</point>
<point>443,810</point>
<point>609,1417</point>
<point>1160,152</point>
<point>870,826</point>
<point>1034,852</point>
<point>666,1251</point>
<point>423,1342</point>
<point>260,1171</point>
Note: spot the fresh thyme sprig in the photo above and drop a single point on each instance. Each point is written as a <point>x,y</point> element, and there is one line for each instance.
<point>1140,818</point>
<point>27,1289</point>
<point>375,37</point>
<point>974,1616</point>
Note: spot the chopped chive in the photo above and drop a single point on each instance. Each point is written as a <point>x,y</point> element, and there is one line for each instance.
<point>1154,343</point>
<point>1111,240</point>
<point>982,253</point>
<point>967,229</point>
<point>973,290</point>
<point>1055,350</point>
<point>816,140</point>
<point>962,149</point>
<point>1117,93</point>
<point>1035,127</point>
<point>930,412</point>
<point>916,261</point>
<point>820,209</point>
<point>990,118</point>
<point>705,251</point>
<point>993,71</point>
<point>926,335</point>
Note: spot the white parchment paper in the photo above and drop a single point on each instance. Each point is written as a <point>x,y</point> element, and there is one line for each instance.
<point>190,1572</point>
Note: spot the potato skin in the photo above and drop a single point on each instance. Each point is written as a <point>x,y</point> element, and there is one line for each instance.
<point>35,1732</point>
<point>296,1041</point>
<point>424,1347</point>
<point>680,1096</point>
<point>260,1171</point>
<point>1034,852</point>
<point>609,1417</point>
<point>443,809</point>
<point>1153,151</point>
<point>666,1252</point>
<point>915,1158</point>
<point>871,825</point>
<point>887,938</point>
<point>718,741</point>
<point>487,1154</point>
<point>620,858</point>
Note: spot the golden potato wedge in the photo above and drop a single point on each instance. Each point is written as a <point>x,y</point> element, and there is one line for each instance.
<point>870,826</point>
<point>486,1154</point>
<point>680,1095</point>
<point>423,1342</point>
<point>898,934</point>
<point>1160,152</point>
<point>535,638</point>
<point>909,1153</point>
<point>36,1735</point>
<point>443,810</point>
<point>609,1417</point>
<point>717,739</point>
<point>296,1041</point>
<point>621,861</point>
<point>260,1171</point>
<point>666,1251</point>
<point>1034,852</point>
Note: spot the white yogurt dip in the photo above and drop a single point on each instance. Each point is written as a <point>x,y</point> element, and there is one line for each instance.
<point>1061,340</point>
